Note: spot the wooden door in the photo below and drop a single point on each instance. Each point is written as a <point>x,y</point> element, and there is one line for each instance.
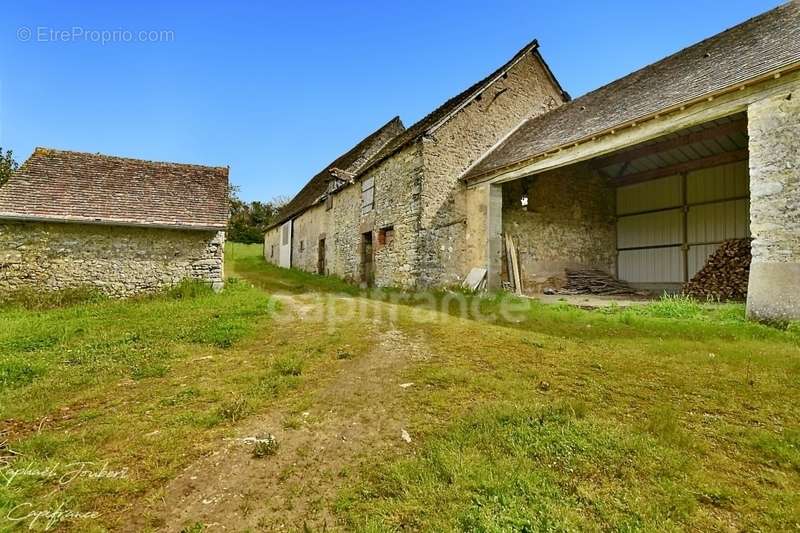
<point>367,259</point>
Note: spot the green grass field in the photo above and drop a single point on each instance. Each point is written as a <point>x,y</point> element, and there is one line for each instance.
<point>671,416</point>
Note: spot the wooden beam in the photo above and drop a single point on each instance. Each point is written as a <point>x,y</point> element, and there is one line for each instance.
<point>622,169</point>
<point>738,126</point>
<point>697,164</point>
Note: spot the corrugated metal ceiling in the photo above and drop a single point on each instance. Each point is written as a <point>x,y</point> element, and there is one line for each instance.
<point>732,138</point>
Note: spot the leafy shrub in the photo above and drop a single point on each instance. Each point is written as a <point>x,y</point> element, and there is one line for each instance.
<point>265,446</point>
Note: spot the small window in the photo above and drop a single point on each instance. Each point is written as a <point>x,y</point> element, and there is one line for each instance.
<point>302,246</point>
<point>328,202</point>
<point>386,236</point>
<point>285,236</point>
<point>367,195</point>
<point>272,251</point>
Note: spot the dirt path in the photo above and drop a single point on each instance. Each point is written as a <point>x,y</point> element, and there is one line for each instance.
<point>358,410</point>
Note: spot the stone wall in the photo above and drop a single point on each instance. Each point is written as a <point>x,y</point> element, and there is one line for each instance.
<point>418,193</point>
<point>346,228</point>
<point>774,143</point>
<point>119,261</point>
<point>272,245</point>
<point>569,222</point>
<point>396,205</point>
<point>526,91</point>
<point>307,230</point>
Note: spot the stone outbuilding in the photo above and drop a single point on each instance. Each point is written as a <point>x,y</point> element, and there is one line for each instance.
<point>643,178</point>
<point>122,226</point>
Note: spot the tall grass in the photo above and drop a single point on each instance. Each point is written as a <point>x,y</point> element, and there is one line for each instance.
<point>37,299</point>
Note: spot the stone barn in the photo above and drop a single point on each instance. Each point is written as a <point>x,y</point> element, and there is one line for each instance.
<point>643,178</point>
<point>647,176</point>
<point>391,210</point>
<point>122,226</point>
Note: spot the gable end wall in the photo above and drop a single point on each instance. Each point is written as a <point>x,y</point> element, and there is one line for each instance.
<point>418,193</point>
<point>527,91</point>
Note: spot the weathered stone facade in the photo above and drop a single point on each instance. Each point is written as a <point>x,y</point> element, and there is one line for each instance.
<point>118,261</point>
<point>418,192</point>
<point>343,225</point>
<point>774,132</point>
<point>569,222</point>
<point>526,91</point>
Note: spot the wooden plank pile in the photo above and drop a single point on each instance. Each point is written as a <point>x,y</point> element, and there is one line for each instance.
<point>594,281</point>
<point>725,274</point>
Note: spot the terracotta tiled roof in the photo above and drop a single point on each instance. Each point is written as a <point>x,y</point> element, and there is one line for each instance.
<point>347,163</point>
<point>91,188</point>
<point>754,48</point>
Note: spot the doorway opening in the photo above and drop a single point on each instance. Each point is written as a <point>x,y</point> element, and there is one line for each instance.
<point>367,259</point>
<point>321,257</point>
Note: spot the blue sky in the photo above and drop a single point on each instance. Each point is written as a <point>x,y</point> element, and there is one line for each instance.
<point>278,90</point>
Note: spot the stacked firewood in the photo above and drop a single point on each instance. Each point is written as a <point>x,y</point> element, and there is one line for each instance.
<point>725,274</point>
<point>594,282</point>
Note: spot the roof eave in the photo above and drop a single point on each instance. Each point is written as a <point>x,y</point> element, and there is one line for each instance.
<point>17,217</point>
<point>533,46</point>
<point>491,173</point>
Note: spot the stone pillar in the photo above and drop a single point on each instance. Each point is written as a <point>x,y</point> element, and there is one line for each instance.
<point>484,231</point>
<point>494,246</point>
<point>774,130</point>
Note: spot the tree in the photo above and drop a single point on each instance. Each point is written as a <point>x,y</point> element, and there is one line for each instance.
<point>249,221</point>
<point>7,165</point>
